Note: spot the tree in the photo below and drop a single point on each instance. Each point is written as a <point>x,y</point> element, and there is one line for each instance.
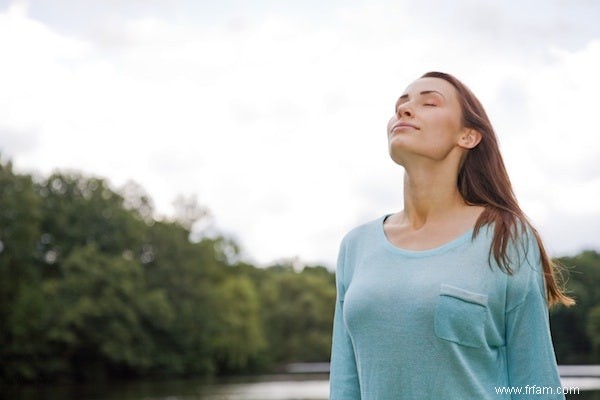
<point>79,211</point>
<point>298,313</point>
<point>93,286</point>
<point>574,329</point>
<point>105,318</point>
<point>20,274</point>
<point>239,337</point>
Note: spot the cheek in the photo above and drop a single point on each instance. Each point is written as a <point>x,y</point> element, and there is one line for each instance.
<point>448,126</point>
<point>391,122</point>
<point>453,121</point>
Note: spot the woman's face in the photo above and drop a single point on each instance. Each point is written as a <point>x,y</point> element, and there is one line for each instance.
<point>427,121</point>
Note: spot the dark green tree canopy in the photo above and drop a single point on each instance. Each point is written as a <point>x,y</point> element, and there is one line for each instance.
<point>94,286</point>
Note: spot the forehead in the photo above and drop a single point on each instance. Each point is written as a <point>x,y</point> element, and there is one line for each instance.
<point>431,84</point>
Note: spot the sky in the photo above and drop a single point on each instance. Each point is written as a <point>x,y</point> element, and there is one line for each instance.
<point>272,114</point>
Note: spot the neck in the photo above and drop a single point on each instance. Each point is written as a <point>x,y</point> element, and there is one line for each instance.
<point>430,195</point>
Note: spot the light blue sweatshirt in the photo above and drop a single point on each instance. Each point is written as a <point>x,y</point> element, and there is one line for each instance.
<point>441,323</point>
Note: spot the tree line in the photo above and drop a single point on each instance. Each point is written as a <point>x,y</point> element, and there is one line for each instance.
<point>94,286</point>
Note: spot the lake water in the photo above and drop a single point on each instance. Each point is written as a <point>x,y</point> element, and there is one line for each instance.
<point>272,387</point>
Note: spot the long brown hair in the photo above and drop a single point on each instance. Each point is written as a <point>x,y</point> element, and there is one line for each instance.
<point>483,181</point>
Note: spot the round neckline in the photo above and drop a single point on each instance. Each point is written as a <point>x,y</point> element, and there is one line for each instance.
<point>452,243</point>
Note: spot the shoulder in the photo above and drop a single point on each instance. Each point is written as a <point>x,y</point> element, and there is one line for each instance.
<point>527,276</point>
<point>364,231</point>
<point>522,251</point>
<point>353,243</point>
<point>522,255</point>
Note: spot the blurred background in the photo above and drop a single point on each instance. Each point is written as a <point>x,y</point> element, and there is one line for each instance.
<point>175,176</point>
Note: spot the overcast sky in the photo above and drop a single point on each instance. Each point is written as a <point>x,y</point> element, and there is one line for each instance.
<point>273,113</point>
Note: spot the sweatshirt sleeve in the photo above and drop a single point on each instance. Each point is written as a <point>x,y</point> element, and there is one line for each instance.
<point>343,376</point>
<point>531,361</point>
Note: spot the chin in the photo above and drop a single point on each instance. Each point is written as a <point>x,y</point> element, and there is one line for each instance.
<point>396,158</point>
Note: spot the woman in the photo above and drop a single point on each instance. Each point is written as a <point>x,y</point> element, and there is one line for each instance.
<point>447,299</point>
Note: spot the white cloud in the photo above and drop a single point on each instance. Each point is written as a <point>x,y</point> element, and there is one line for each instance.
<point>277,122</point>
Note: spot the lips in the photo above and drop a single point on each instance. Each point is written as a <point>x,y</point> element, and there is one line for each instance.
<point>403,125</point>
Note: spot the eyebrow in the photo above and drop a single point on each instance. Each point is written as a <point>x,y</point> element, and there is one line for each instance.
<point>423,93</point>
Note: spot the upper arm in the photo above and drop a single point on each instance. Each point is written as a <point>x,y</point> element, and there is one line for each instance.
<point>344,384</point>
<point>530,351</point>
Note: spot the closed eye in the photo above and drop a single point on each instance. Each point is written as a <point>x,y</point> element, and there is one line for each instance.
<point>430,105</point>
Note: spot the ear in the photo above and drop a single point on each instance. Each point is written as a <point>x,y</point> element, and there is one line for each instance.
<point>469,138</point>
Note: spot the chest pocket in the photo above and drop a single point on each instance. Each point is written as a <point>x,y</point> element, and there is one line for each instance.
<point>460,316</point>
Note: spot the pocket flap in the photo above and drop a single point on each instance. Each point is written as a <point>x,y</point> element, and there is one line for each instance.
<point>466,295</point>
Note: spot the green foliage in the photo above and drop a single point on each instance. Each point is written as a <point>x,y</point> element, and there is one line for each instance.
<point>104,313</point>
<point>79,211</point>
<point>576,330</point>
<point>298,309</point>
<point>239,337</point>
<point>593,329</point>
<point>93,286</point>
<point>20,274</point>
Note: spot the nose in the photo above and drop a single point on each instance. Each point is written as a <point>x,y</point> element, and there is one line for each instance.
<point>404,110</point>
